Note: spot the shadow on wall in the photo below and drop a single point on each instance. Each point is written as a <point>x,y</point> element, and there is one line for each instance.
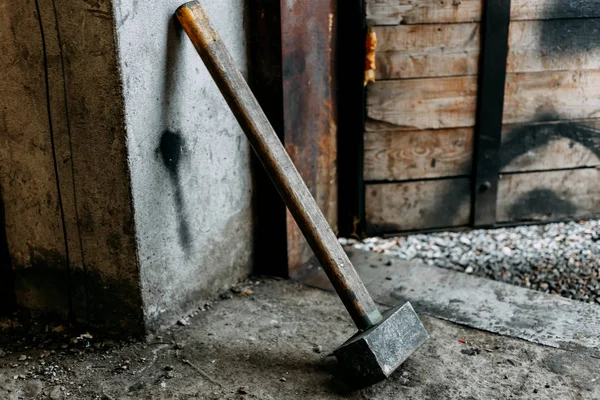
<point>171,147</point>
<point>7,291</point>
<point>540,203</point>
<point>535,135</point>
<point>559,41</point>
<point>519,141</point>
<point>571,37</point>
<point>171,150</point>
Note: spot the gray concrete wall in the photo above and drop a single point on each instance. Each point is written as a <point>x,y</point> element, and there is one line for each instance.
<point>189,161</point>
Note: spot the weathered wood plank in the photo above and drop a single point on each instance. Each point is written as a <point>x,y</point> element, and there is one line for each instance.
<point>547,196</point>
<point>554,9</point>
<point>536,196</point>
<point>395,12</point>
<point>531,146</point>
<point>398,155</point>
<point>414,51</point>
<point>554,145</point>
<point>394,207</point>
<point>61,132</point>
<point>554,45</point>
<point>100,180</point>
<point>450,102</point>
<point>418,51</point>
<point>424,103</point>
<point>552,96</point>
<point>34,227</point>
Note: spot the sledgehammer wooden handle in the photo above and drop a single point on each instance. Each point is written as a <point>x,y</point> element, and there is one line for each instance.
<point>278,164</point>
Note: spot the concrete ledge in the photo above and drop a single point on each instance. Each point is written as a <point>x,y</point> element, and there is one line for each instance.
<point>476,302</point>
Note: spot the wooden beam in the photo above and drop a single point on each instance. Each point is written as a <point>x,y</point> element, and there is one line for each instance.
<point>552,95</point>
<point>7,279</point>
<point>395,12</point>
<point>535,196</point>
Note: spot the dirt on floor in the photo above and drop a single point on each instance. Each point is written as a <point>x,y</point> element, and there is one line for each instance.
<point>271,339</point>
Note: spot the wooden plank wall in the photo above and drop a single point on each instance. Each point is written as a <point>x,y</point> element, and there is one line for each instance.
<point>421,113</point>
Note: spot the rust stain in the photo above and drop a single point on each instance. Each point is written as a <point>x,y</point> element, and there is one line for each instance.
<point>309,108</point>
<point>370,63</point>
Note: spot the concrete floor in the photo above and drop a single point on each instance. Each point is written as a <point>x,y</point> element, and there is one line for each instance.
<point>271,340</point>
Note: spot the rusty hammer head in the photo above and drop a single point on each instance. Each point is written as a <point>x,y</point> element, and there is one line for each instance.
<point>373,354</point>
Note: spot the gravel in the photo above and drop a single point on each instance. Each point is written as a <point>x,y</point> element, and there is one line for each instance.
<point>558,258</point>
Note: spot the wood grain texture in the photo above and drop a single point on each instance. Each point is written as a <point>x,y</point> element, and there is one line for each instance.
<point>554,45</point>
<point>539,146</point>
<point>416,51</point>
<point>61,132</point>
<point>399,155</point>
<point>34,227</point>
<point>279,166</point>
<point>421,51</point>
<point>450,102</point>
<point>423,103</point>
<point>63,165</point>
<point>395,207</point>
<point>547,196</point>
<point>530,146</point>
<point>100,184</point>
<point>395,12</point>
<point>567,94</point>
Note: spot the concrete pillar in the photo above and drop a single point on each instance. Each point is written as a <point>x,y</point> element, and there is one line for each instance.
<point>125,180</point>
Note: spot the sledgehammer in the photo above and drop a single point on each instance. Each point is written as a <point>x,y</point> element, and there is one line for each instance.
<point>383,342</point>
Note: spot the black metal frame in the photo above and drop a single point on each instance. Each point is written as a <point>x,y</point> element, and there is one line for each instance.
<point>264,51</point>
<point>351,121</point>
<point>490,105</point>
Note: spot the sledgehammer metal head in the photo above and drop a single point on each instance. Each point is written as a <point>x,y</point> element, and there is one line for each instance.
<point>372,355</point>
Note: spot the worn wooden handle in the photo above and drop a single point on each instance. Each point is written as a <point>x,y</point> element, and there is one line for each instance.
<point>279,166</point>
